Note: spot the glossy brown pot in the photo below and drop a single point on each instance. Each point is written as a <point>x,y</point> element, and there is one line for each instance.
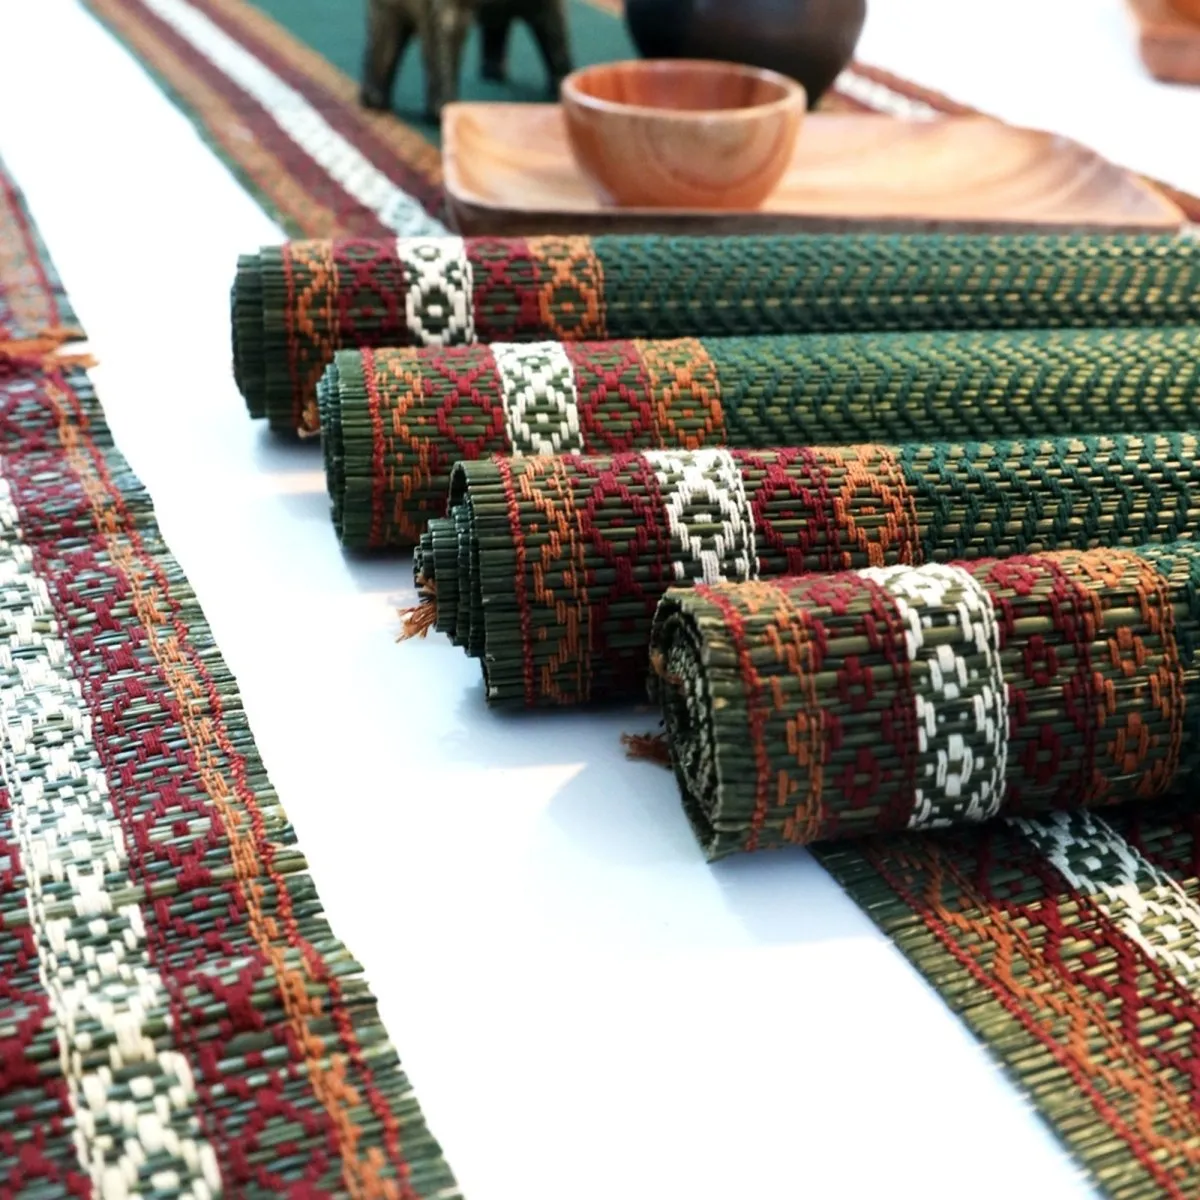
<point>810,40</point>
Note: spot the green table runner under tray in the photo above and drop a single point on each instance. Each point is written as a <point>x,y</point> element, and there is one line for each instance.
<point>395,421</point>
<point>550,569</point>
<point>825,706</point>
<point>294,305</point>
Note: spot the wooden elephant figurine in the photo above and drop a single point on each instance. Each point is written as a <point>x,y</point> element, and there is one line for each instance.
<point>441,26</point>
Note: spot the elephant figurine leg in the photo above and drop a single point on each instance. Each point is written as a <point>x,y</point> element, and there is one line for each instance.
<point>444,31</point>
<point>548,21</point>
<point>390,25</point>
<point>494,22</point>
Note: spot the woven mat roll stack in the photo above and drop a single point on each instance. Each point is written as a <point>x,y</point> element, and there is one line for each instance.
<point>293,306</point>
<point>830,706</point>
<point>550,569</point>
<point>395,421</point>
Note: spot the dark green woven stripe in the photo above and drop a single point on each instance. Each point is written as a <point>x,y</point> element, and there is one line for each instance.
<point>795,390</point>
<point>789,708</point>
<point>656,287</point>
<point>908,387</point>
<point>246,321</point>
<point>669,287</point>
<point>967,501</point>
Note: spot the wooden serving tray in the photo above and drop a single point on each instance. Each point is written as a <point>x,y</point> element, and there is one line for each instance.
<point>1168,41</point>
<point>509,170</point>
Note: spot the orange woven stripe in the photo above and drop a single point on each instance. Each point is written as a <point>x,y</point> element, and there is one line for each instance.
<point>1154,663</point>
<point>397,375</point>
<point>872,471</point>
<point>685,393</point>
<point>570,289</point>
<point>312,292</point>
<point>573,646</point>
<point>790,638</point>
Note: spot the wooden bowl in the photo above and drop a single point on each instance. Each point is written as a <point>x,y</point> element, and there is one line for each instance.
<point>1186,8</point>
<point>678,133</point>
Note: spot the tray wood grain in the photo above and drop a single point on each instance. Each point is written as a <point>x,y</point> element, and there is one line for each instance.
<point>509,171</point>
<point>1169,43</point>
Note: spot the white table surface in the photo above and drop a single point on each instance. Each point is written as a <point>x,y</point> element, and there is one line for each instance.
<point>586,1009</point>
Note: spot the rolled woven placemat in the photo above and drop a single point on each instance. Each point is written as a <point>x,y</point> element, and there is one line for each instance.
<point>395,421</point>
<point>294,305</point>
<point>828,706</point>
<point>550,569</point>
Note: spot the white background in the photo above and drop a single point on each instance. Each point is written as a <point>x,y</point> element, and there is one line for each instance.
<point>586,1009</point>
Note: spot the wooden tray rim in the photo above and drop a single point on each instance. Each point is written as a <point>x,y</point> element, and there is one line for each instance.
<point>461,197</point>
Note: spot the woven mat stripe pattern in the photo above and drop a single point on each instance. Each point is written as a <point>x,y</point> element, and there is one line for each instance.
<point>395,421</point>
<point>314,158</point>
<point>295,305</point>
<point>558,564</point>
<point>1056,943</point>
<point>219,1020</point>
<point>827,706</point>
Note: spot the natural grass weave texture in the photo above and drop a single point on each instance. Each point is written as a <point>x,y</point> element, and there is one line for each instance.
<point>294,305</point>
<point>826,706</point>
<point>395,421</point>
<point>177,1017</point>
<point>550,569</point>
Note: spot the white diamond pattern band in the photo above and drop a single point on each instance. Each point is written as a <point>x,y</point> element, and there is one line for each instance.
<point>343,162</point>
<point>960,694</point>
<point>541,406</point>
<point>136,1130</point>
<point>439,290</point>
<point>711,524</point>
<point>1144,902</point>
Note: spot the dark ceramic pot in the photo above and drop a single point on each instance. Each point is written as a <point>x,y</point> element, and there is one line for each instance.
<point>810,40</point>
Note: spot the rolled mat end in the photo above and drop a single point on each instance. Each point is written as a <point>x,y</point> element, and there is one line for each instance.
<point>246,327</point>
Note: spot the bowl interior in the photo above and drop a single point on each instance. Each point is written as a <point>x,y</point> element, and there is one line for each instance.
<point>678,86</point>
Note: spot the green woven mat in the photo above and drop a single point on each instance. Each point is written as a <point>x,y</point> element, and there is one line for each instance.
<point>832,706</point>
<point>395,421</point>
<point>550,569</point>
<point>294,305</point>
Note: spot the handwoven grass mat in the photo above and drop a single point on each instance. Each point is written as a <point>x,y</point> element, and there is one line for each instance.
<point>179,1019</point>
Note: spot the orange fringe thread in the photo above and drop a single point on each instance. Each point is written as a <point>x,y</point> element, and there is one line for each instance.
<point>42,351</point>
<point>647,747</point>
<point>418,620</point>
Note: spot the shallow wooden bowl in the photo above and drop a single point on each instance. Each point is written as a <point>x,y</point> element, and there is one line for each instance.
<point>676,133</point>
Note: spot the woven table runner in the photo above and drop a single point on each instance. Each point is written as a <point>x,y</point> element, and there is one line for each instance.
<point>395,421</point>
<point>1067,941</point>
<point>832,706</point>
<point>294,305</point>
<point>178,1019</point>
<point>550,569</point>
